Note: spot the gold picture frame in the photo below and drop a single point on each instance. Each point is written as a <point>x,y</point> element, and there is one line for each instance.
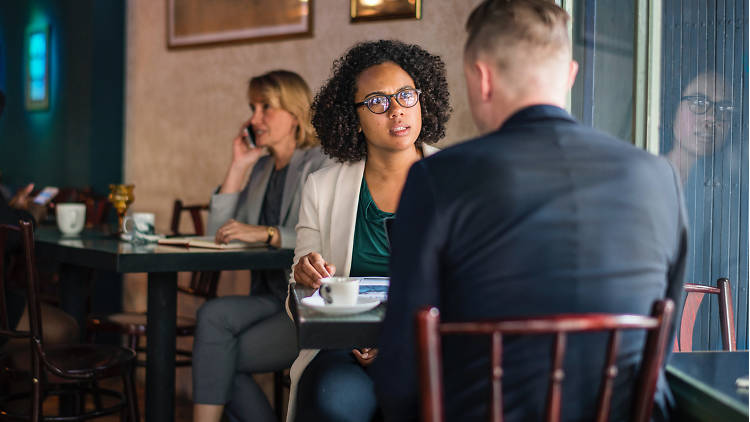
<point>373,10</point>
<point>199,22</point>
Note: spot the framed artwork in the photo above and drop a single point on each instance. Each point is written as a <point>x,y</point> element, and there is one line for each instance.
<point>371,10</point>
<point>37,68</point>
<point>196,22</point>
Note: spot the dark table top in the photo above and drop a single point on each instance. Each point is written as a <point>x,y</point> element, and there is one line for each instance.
<point>102,251</point>
<point>319,331</point>
<point>705,384</point>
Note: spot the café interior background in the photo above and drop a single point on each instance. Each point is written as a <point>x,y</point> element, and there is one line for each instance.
<point>126,108</point>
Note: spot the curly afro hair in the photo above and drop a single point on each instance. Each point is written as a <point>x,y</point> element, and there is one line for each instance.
<point>334,115</point>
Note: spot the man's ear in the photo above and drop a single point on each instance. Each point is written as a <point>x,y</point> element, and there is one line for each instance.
<point>572,72</point>
<point>486,82</point>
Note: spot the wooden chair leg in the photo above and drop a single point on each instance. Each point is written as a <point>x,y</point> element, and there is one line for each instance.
<point>133,341</point>
<point>36,399</point>
<point>80,396</point>
<point>278,394</point>
<point>128,378</point>
<point>96,394</point>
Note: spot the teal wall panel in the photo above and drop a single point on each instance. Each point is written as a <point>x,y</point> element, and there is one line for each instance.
<point>78,141</point>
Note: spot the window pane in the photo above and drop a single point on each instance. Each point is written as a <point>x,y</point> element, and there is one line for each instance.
<point>704,134</point>
<point>603,34</point>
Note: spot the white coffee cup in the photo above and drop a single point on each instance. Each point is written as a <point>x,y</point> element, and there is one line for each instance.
<point>71,217</point>
<point>139,224</point>
<point>340,291</point>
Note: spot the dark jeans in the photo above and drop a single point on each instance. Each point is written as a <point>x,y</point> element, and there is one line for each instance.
<point>335,387</point>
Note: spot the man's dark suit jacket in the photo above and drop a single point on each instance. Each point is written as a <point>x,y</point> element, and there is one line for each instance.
<point>543,216</point>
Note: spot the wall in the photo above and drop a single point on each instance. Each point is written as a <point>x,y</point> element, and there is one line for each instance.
<point>78,140</point>
<point>184,106</point>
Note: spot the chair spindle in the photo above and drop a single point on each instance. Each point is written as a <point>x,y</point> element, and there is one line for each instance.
<point>608,378</point>
<point>496,402</point>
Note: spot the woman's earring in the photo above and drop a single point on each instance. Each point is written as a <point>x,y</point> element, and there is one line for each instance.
<point>359,129</point>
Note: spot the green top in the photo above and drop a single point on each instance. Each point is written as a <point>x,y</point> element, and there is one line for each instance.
<point>371,249</point>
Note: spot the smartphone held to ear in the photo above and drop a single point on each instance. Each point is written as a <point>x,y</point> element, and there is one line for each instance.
<point>248,136</point>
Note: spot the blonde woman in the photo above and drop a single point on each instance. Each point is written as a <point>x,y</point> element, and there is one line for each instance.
<point>240,335</point>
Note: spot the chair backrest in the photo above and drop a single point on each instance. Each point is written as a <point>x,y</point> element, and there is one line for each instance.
<point>5,231</point>
<point>32,287</point>
<point>430,330</point>
<point>97,208</point>
<point>26,231</point>
<point>693,299</point>
<point>202,283</point>
<point>195,213</point>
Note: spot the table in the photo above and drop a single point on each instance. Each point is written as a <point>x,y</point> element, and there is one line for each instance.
<point>704,385</point>
<point>79,255</point>
<point>319,331</point>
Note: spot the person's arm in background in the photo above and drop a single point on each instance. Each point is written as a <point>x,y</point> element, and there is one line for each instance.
<point>416,247</point>
<point>231,192</point>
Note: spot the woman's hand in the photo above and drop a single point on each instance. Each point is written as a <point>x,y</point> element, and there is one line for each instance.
<point>22,199</point>
<point>234,230</point>
<point>243,154</point>
<point>365,356</point>
<point>243,157</point>
<point>311,268</point>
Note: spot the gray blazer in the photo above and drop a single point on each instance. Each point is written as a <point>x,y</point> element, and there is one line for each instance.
<point>245,206</point>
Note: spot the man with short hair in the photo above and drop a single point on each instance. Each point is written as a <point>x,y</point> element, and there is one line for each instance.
<point>539,215</point>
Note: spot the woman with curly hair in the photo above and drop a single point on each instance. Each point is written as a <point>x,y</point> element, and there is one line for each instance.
<point>384,104</point>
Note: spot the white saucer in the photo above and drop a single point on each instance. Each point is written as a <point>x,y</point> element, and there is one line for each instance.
<point>146,238</point>
<point>364,304</point>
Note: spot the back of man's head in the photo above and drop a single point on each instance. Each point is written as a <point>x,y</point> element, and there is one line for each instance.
<point>526,41</point>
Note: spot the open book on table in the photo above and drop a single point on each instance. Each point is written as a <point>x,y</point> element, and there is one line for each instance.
<point>208,242</point>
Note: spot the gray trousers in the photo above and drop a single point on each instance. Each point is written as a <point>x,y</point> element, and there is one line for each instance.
<point>235,337</point>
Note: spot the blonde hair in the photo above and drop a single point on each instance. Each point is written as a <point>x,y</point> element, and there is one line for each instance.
<point>511,30</point>
<point>287,90</point>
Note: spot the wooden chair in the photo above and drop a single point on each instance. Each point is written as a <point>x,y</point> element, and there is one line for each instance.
<point>202,284</point>
<point>195,212</point>
<point>56,370</point>
<point>430,330</point>
<point>97,208</point>
<point>693,300</point>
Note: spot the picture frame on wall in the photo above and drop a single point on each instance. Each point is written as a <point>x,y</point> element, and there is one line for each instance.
<point>373,10</point>
<point>199,22</point>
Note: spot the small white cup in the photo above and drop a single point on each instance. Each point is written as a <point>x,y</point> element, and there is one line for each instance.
<point>71,217</point>
<point>139,224</point>
<point>340,291</point>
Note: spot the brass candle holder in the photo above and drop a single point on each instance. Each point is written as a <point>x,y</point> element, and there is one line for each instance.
<point>121,196</point>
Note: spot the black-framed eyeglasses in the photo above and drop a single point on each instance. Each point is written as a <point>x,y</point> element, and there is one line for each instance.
<point>380,103</point>
<point>699,104</point>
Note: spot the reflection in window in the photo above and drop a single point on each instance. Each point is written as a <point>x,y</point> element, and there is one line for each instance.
<point>703,133</point>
